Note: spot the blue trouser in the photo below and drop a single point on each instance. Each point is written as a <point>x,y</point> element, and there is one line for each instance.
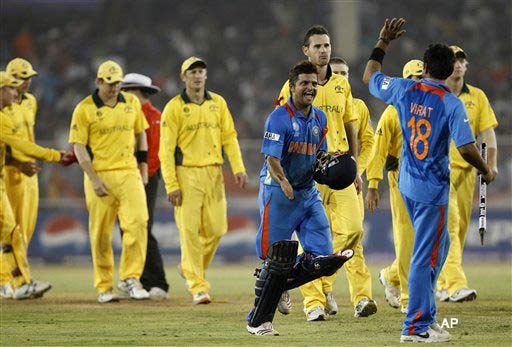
<point>280,217</point>
<point>431,243</point>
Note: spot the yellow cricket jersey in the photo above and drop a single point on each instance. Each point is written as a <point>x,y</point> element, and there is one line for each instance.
<point>109,132</point>
<point>388,141</point>
<point>196,135</point>
<point>9,137</point>
<point>335,99</point>
<point>23,116</point>
<point>480,115</point>
<point>364,134</point>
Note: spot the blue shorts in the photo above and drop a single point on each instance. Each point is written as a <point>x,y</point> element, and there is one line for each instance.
<point>280,217</point>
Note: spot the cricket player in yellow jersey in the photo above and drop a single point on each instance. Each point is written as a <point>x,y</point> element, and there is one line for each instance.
<point>386,154</point>
<point>452,284</point>
<point>334,97</point>
<point>106,128</point>
<point>19,284</point>
<point>358,274</point>
<point>21,170</point>
<point>196,128</point>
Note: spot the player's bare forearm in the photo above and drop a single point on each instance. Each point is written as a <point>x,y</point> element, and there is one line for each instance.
<point>276,172</point>
<point>489,138</point>
<point>350,129</point>
<point>142,141</point>
<point>471,154</point>
<point>84,160</point>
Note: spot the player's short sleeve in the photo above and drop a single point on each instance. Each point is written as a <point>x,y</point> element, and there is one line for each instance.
<point>388,89</point>
<point>487,116</point>
<point>460,129</point>
<point>141,123</point>
<point>79,131</point>
<point>274,136</point>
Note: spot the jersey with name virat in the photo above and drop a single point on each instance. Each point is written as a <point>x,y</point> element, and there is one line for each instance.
<point>294,139</point>
<point>334,98</point>
<point>430,116</point>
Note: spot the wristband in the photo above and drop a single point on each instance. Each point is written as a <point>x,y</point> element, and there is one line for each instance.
<point>377,55</point>
<point>142,156</point>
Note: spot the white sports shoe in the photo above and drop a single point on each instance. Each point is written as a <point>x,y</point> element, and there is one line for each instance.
<point>6,291</point>
<point>266,329</point>
<point>463,294</point>
<point>157,293</point>
<point>316,314</point>
<point>404,309</point>
<point>330,305</point>
<point>365,308</point>
<point>201,298</point>
<point>437,328</point>
<point>443,295</point>
<point>32,290</point>
<point>131,287</point>
<point>391,293</point>
<point>285,303</point>
<point>107,297</point>
<point>429,336</point>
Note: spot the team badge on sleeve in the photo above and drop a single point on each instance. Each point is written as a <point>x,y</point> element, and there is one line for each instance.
<point>385,83</point>
<point>271,136</point>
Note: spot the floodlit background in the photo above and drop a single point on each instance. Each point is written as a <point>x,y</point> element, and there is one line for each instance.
<point>249,47</point>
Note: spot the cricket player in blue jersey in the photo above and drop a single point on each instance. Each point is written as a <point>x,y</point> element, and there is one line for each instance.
<point>430,116</point>
<point>289,200</point>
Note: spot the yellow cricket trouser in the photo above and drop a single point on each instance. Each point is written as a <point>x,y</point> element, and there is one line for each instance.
<point>403,236</point>
<point>14,252</point>
<point>23,193</point>
<point>201,220</point>
<point>343,211</point>
<point>127,201</point>
<point>462,186</point>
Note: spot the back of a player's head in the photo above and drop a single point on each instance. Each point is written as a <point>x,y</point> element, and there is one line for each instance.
<point>314,30</point>
<point>338,60</point>
<point>439,60</point>
<point>302,67</point>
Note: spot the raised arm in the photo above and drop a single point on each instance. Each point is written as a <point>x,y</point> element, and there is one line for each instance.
<point>389,32</point>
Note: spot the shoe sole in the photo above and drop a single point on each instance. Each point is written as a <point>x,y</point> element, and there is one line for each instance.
<point>381,280</point>
<point>264,333</point>
<point>470,297</point>
<point>320,318</point>
<point>202,302</point>
<point>41,293</point>
<point>110,301</point>
<point>368,310</point>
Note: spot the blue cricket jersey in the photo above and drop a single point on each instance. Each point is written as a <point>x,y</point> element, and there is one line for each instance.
<point>293,138</point>
<point>430,115</point>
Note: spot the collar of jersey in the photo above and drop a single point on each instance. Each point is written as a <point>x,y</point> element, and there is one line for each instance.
<point>465,88</point>
<point>187,100</point>
<point>99,103</point>
<point>296,112</point>
<point>435,83</point>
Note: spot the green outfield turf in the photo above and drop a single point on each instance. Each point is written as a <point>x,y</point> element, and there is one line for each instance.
<point>69,314</point>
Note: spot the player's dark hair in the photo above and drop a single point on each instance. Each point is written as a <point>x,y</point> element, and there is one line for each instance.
<point>439,60</point>
<point>338,60</point>
<point>314,30</point>
<point>302,67</point>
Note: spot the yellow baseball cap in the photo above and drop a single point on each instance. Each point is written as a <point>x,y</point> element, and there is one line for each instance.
<point>7,80</point>
<point>459,53</point>
<point>192,61</point>
<point>413,68</point>
<point>20,68</point>
<point>110,72</point>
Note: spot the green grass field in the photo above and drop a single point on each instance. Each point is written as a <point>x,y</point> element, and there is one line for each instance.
<point>69,314</point>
